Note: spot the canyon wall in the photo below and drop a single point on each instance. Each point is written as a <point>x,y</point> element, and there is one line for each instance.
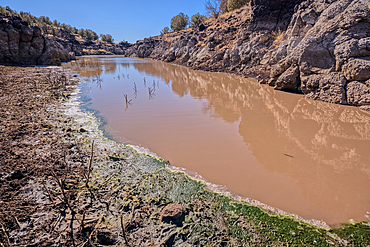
<point>24,45</point>
<point>315,47</point>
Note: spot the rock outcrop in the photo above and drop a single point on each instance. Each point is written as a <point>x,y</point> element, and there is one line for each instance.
<point>320,48</point>
<point>329,41</point>
<point>272,14</point>
<point>234,42</point>
<point>24,45</point>
<point>78,46</point>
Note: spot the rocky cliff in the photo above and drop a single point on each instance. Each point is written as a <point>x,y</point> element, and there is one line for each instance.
<point>24,45</point>
<point>316,47</point>
<point>325,52</point>
<point>75,44</point>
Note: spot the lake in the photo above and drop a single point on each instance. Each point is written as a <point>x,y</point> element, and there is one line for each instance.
<point>306,157</point>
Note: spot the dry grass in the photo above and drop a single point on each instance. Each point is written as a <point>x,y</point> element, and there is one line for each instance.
<point>278,36</point>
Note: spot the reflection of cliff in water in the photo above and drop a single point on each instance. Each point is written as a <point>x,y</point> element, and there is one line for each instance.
<point>91,66</point>
<point>321,146</point>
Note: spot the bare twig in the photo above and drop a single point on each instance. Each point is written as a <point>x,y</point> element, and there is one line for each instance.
<point>16,220</point>
<point>92,232</point>
<point>123,232</point>
<point>64,194</point>
<point>151,92</point>
<point>6,234</point>
<point>82,226</point>
<point>56,222</point>
<point>49,194</point>
<point>90,164</point>
<point>128,102</point>
<point>128,223</point>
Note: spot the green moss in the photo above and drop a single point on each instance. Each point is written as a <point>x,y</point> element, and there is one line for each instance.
<point>357,234</point>
<point>266,227</point>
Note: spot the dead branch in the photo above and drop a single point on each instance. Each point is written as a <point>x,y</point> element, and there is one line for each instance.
<point>82,225</point>
<point>92,232</point>
<point>123,232</point>
<point>61,185</point>
<point>90,164</point>
<point>6,234</point>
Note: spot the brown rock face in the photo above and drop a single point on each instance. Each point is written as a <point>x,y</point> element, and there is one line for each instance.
<point>53,52</point>
<point>23,45</point>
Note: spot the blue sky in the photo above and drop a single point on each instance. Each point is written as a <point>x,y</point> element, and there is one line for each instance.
<point>124,20</point>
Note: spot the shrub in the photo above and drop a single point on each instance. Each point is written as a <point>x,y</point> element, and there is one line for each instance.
<point>236,4</point>
<point>213,7</point>
<point>165,30</point>
<point>223,6</point>
<point>107,38</point>
<point>179,22</point>
<point>196,20</point>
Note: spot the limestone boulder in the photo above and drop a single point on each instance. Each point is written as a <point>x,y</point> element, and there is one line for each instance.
<point>173,213</point>
<point>329,88</point>
<point>289,80</point>
<point>358,94</point>
<point>357,69</point>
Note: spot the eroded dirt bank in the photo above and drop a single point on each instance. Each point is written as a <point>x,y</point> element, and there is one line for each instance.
<point>47,200</point>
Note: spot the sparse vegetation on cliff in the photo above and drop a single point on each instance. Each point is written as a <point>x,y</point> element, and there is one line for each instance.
<point>165,30</point>
<point>236,4</point>
<point>196,20</point>
<point>47,26</point>
<point>213,7</point>
<point>74,42</point>
<point>107,38</point>
<point>179,22</point>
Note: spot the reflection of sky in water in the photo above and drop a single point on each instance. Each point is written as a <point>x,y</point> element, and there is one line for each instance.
<point>306,157</point>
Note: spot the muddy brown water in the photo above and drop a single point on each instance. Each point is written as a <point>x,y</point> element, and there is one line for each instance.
<point>306,157</point>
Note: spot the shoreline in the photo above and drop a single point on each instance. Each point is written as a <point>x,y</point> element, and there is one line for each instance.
<point>137,187</point>
<point>222,189</point>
